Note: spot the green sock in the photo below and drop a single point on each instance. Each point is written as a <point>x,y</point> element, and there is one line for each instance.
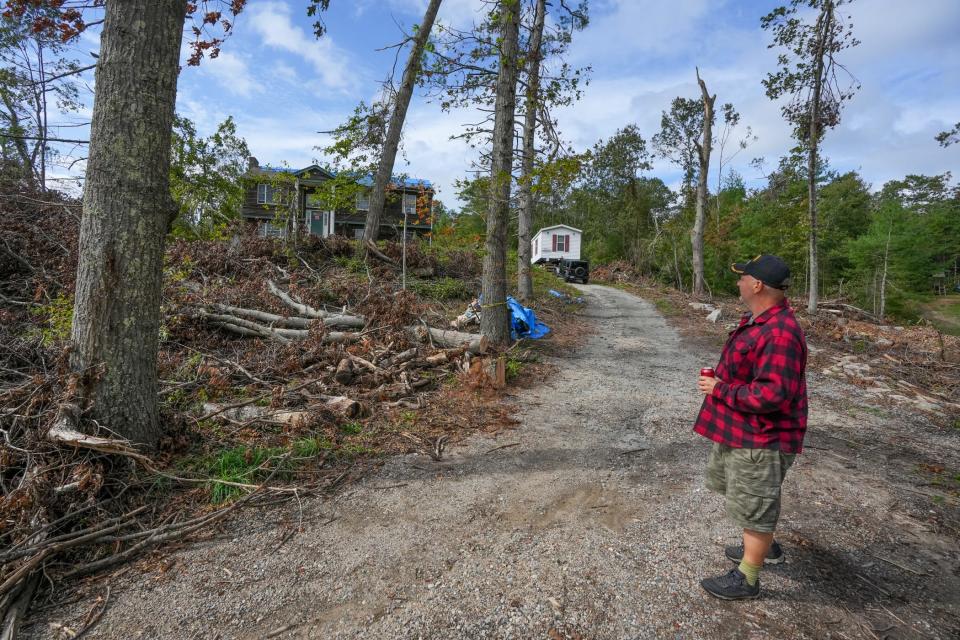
<point>751,571</point>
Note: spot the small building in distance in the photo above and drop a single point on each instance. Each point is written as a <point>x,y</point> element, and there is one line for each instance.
<point>551,244</point>
<point>293,204</point>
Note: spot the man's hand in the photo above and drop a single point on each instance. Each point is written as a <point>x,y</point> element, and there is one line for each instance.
<point>706,385</point>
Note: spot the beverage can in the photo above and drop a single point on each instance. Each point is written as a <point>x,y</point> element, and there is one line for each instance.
<point>707,372</point>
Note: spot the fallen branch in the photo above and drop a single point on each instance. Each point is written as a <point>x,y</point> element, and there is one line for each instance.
<point>379,255</point>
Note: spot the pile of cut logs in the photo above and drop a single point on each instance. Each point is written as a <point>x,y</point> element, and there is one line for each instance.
<point>384,377</point>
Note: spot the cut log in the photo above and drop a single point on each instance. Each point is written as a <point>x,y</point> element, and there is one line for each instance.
<point>299,307</point>
<point>365,363</point>
<point>346,406</point>
<point>250,328</point>
<point>291,322</point>
<point>344,321</point>
<point>399,358</point>
<point>473,342</point>
<point>252,412</point>
<point>341,319</point>
<point>344,374</point>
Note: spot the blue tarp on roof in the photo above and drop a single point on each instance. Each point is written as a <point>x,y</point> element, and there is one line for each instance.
<point>366,181</point>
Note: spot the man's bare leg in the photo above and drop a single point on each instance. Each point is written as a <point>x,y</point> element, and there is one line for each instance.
<point>755,548</point>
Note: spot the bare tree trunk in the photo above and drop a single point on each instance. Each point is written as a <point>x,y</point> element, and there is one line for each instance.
<point>703,152</point>
<point>826,19</point>
<point>883,279</point>
<point>389,155</point>
<point>42,117</point>
<point>127,211</point>
<point>524,280</point>
<point>19,141</point>
<point>495,319</point>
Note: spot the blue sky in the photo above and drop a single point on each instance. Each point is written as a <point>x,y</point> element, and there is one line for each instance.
<point>282,85</point>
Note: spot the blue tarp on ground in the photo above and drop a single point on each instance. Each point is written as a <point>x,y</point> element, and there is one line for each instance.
<point>565,296</point>
<point>523,322</point>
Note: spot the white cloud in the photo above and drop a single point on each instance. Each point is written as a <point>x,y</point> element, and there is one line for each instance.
<point>272,22</point>
<point>231,72</point>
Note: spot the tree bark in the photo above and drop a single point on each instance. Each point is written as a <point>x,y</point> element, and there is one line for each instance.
<point>826,19</point>
<point>395,127</point>
<point>127,211</point>
<point>704,148</point>
<point>883,281</point>
<point>495,319</point>
<point>472,342</point>
<point>524,279</point>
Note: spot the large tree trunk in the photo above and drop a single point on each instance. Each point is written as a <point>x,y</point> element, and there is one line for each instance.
<point>495,319</point>
<point>127,210</point>
<point>826,20</point>
<point>524,280</point>
<point>395,127</point>
<point>704,148</point>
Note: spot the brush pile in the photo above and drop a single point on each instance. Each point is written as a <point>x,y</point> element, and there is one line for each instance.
<point>283,366</point>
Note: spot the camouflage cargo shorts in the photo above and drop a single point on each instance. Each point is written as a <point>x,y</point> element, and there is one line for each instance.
<point>750,480</point>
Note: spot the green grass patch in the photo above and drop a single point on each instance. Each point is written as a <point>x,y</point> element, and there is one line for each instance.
<point>666,306</point>
<point>943,312</point>
<point>252,465</point>
<point>441,289</point>
<point>351,263</point>
<point>544,280</point>
<point>351,428</point>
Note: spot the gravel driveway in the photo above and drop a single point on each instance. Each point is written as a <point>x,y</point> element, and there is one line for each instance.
<point>595,525</point>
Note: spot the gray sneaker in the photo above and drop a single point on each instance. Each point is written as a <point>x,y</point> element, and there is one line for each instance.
<point>774,555</point>
<point>731,586</point>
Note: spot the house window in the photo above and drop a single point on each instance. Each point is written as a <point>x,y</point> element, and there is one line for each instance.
<point>363,201</point>
<point>314,201</point>
<point>536,245</point>
<point>267,194</point>
<point>270,229</point>
<point>358,233</point>
<point>410,204</point>
<point>561,243</point>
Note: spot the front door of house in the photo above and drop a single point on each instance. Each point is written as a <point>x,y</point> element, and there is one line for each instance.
<point>317,222</point>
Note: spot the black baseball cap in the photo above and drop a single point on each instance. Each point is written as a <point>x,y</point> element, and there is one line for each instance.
<point>770,270</point>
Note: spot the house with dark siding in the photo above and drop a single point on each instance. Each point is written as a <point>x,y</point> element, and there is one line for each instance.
<point>280,201</point>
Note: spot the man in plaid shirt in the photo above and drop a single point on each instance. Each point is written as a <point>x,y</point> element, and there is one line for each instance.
<point>755,411</point>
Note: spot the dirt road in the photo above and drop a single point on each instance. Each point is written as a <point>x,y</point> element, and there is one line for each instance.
<point>593,524</point>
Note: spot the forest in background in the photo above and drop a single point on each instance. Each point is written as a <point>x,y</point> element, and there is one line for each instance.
<point>902,233</point>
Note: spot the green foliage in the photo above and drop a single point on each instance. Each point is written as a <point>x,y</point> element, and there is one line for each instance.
<point>513,368</point>
<point>351,428</point>
<point>441,289</point>
<point>806,46</point>
<point>58,317</point>
<point>351,263</point>
<point>205,178</point>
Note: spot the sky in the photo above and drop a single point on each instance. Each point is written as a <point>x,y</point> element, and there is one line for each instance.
<point>283,86</point>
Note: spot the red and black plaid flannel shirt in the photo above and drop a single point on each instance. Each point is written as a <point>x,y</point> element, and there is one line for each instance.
<point>762,401</point>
